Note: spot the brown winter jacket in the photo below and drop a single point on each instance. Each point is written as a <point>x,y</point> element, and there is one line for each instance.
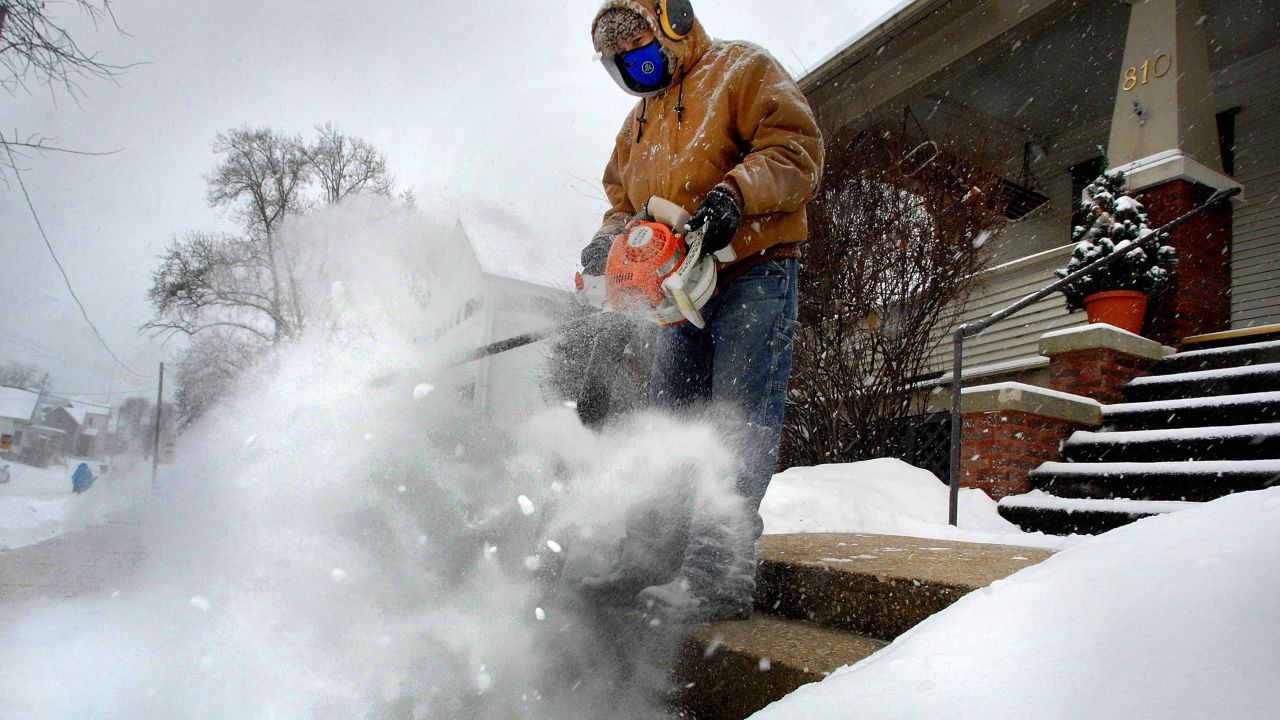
<point>743,120</point>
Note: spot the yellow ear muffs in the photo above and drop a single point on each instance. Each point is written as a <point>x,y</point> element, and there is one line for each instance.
<point>676,18</point>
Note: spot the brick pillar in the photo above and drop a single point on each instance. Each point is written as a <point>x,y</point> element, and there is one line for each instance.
<point>1009,429</point>
<point>1095,361</point>
<point>1198,299</point>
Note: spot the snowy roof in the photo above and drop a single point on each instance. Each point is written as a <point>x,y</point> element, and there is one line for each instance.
<point>79,410</point>
<point>17,403</point>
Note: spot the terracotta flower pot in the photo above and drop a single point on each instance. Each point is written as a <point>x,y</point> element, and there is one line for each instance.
<point>1125,309</point>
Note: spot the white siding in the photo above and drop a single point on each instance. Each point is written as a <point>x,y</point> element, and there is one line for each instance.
<point>1255,261</point>
<point>1017,337</point>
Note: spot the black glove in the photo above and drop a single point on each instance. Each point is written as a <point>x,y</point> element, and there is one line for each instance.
<point>596,252</point>
<point>718,217</point>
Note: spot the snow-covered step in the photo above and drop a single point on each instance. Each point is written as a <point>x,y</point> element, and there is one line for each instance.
<point>1205,383</point>
<point>875,585</point>
<point>826,600</point>
<point>1217,358</point>
<point>1241,409</point>
<point>1039,512</point>
<point>1228,442</point>
<point>1188,481</point>
<point>733,669</point>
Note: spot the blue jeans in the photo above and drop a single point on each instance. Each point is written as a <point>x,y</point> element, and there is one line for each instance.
<point>742,358</point>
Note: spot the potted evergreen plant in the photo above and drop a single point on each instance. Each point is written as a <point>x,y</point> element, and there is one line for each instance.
<point>1117,294</point>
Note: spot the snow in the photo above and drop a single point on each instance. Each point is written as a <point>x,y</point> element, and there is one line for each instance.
<point>1196,433</point>
<point>1028,362</point>
<point>1184,403</point>
<point>37,503</point>
<point>1233,372</point>
<point>1016,389</point>
<point>1042,500</point>
<point>1170,617</point>
<point>17,404</point>
<point>1081,329</point>
<point>1124,202</point>
<point>887,497</point>
<point>1196,467</point>
<point>1231,349</point>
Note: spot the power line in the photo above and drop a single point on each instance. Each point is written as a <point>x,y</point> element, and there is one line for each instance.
<point>65,393</point>
<point>13,165</point>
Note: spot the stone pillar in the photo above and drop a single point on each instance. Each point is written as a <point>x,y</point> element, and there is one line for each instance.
<point>1164,136</point>
<point>1011,428</point>
<point>1095,361</point>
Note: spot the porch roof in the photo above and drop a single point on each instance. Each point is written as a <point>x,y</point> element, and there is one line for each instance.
<point>1040,69</point>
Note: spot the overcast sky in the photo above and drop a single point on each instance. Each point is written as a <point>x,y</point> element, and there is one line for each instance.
<point>492,112</point>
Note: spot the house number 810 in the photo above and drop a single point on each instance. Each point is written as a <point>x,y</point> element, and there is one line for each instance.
<point>1141,75</point>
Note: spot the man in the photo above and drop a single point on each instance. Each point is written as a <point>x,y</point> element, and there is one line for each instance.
<point>724,132</point>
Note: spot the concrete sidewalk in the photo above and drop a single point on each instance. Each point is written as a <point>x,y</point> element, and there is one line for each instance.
<point>90,562</point>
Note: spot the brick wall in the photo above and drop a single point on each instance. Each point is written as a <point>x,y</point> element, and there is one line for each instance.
<point>1000,448</point>
<point>1096,373</point>
<point>1199,297</point>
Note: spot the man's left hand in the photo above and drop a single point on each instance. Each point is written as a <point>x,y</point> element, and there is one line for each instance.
<point>718,219</point>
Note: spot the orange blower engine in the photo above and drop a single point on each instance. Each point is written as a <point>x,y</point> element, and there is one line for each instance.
<point>654,269</point>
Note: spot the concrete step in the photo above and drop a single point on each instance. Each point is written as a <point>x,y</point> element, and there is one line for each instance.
<point>733,669</point>
<point>1241,409</point>
<point>827,600</point>
<point>1205,383</point>
<point>1258,353</point>
<point>876,585</point>
<point>1184,481</point>
<point>1038,512</point>
<point>1229,442</point>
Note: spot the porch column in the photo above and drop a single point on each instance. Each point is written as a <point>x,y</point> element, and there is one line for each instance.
<point>1164,135</point>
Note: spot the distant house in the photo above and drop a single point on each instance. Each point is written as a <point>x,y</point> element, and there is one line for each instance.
<point>467,314</point>
<point>83,424</point>
<point>23,432</point>
<point>17,407</point>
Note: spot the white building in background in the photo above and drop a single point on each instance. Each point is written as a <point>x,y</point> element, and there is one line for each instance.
<point>17,408</point>
<point>467,314</point>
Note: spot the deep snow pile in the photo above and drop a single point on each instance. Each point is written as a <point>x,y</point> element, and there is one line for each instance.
<point>1171,617</point>
<point>37,503</point>
<point>888,497</point>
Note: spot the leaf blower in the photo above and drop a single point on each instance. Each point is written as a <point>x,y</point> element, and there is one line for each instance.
<point>654,270</point>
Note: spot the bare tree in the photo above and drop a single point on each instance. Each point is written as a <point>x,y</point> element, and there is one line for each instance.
<point>892,256</point>
<point>346,165</point>
<point>219,282</point>
<point>18,374</point>
<point>209,367</point>
<point>244,291</point>
<point>36,49</point>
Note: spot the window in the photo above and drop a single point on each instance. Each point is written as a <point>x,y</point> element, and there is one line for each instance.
<point>1227,139</point>
<point>1081,175</point>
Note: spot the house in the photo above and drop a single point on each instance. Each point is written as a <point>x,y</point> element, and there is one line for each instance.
<point>1178,93</point>
<point>17,407</point>
<point>84,425</point>
<point>23,433</point>
<point>1052,77</point>
<point>468,314</point>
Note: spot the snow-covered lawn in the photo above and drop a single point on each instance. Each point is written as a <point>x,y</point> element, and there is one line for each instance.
<point>886,497</point>
<point>1171,617</point>
<point>37,503</point>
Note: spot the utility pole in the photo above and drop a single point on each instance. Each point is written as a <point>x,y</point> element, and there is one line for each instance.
<point>155,447</point>
<point>35,412</point>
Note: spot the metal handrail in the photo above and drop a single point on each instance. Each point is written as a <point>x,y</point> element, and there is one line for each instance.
<point>971,329</point>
